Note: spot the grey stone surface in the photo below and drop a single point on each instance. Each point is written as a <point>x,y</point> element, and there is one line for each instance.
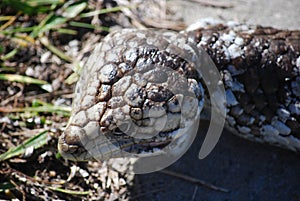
<point>277,13</point>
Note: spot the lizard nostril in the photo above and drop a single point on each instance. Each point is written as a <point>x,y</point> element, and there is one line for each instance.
<point>72,135</point>
<point>70,141</point>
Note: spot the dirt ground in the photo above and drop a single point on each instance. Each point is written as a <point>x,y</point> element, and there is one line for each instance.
<point>250,171</point>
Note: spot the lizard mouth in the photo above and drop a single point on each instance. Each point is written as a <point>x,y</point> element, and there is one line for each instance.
<point>75,145</point>
<point>154,130</point>
<point>142,145</point>
<point>72,145</point>
<point>131,131</point>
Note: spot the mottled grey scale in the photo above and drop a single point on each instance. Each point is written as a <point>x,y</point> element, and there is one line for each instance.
<point>131,84</point>
<point>296,87</point>
<point>104,92</point>
<point>125,67</point>
<point>159,94</point>
<point>236,111</point>
<point>108,74</point>
<point>269,76</point>
<point>139,79</point>
<point>120,87</point>
<point>135,95</point>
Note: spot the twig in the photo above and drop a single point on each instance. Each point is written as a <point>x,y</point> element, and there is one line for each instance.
<point>62,93</point>
<point>13,97</point>
<point>165,24</point>
<point>147,193</point>
<point>194,180</point>
<point>10,21</point>
<point>223,5</point>
<point>134,19</point>
<point>195,192</point>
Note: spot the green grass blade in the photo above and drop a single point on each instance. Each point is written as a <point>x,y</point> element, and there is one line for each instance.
<point>24,7</point>
<point>18,5</point>
<point>89,26</point>
<point>73,10</point>
<point>38,28</point>
<point>36,142</point>
<point>102,11</point>
<point>9,55</point>
<point>72,78</point>
<point>54,22</point>
<point>50,22</point>
<point>37,3</point>
<point>67,31</point>
<point>71,192</point>
<point>6,69</point>
<point>65,110</point>
<point>18,30</point>
<point>22,79</point>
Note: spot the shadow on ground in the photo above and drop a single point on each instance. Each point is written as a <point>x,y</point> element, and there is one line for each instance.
<point>250,171</point>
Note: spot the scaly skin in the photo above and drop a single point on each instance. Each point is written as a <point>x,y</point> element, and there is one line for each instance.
<point>260,68</point>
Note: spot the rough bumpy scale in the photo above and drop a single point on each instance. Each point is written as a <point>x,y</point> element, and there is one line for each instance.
<point>134,76</point>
